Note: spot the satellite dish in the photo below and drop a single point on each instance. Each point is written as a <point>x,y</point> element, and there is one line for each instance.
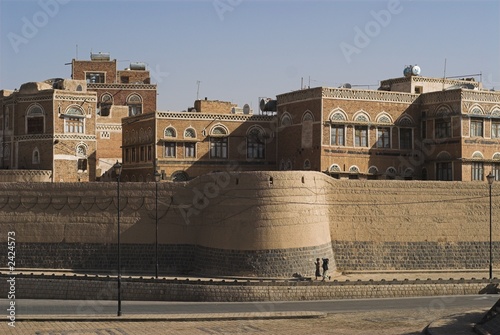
<point>262,104</point>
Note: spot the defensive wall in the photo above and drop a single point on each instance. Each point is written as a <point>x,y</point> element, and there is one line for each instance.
<point>93,289</point>
<point>257,224</point>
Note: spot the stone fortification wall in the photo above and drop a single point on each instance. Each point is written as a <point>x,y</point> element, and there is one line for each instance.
<point>251,224</point>
<point>96,289</point>
<point>412,225</point>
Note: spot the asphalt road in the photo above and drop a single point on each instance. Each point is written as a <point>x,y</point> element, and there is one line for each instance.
<point>89,307</point>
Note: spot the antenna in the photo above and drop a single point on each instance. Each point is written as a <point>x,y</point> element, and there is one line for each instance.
<point>444,74</point>
<point>198,89</point>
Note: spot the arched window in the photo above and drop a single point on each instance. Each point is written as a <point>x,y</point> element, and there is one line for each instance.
<point>218,142</point>
<point>35,159</point>
<point>219,131</point>
<point>170,132</point>
<point>338,116</point>
<point>81,154</point>
<point>180,176</point>
<point>307,164</point>
<point>105,104</point>
<point>286,120</point>
<point>134,103</point>
<point>334,168</point>
<point>189,133</point>
<point>256,147</point>
<point>391,173</point>
<point>372,173</point>
<point>384,118</point>
<point>307,117</point>
<point>74,120</point>
<point>35,120</point>
<point>362,117</point>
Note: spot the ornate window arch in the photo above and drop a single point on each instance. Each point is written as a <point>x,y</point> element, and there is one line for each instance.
<point>286,120</point>
<point>496,156</point>
<point>81,150</point>
<point>405,121</point>
<point>391,172</point>
<point>476,110</point>
<point>170,132</point>
<point>361,116</point>
<point>443,111</point>
<point>477,155</point>
<point>134,103</point>
<point>334,168</point>
<point>35,119</point>
<point>219,130</point>
<point>307,116</point>
<point>495,111</point>
<point>373,170</point>
<point>354,169</point>
<point>74,120</point>
<point>338,115</point>
<point>384,118</point>
<point>189,133</point>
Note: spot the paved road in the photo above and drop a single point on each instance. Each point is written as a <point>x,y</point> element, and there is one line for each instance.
<point>89,307</point>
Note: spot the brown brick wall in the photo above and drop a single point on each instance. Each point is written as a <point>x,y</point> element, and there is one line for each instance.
<point>81,67</point>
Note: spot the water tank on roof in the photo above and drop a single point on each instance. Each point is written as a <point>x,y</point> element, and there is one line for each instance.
<point>246,109</point>
<point>138,66</point>
<point>101,56</point>
<point>411,70</point>
<point>268,105</point>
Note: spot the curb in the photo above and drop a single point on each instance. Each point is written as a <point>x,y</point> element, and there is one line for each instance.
<point>174,317</point>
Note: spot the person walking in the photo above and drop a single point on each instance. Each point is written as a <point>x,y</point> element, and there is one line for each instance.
<point>325,268</point>
<point>318,267</point>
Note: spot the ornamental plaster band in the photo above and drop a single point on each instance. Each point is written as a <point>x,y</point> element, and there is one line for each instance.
<point>252,223</point>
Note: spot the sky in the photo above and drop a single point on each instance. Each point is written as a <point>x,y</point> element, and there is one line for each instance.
<point>244,50</point>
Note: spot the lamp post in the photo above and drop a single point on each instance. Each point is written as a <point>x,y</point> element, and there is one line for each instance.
<point>490,177</point>
<point>157,180</point>
<point>118,169</point>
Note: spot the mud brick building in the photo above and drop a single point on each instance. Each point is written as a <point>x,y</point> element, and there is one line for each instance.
<point>412,127</point>
<point>210,137</point>
<point>64,130</point>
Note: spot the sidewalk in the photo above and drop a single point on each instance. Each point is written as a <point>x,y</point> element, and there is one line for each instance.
<point>457,324</point>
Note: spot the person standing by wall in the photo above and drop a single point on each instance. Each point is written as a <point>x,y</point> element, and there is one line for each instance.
<point>325,268</point>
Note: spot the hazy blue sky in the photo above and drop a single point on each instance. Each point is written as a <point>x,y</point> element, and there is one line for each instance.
<point>241,50</point>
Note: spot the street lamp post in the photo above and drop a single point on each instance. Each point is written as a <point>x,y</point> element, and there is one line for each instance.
<point>157,180</point>
<point>490,177</point>
<point>118,169</point>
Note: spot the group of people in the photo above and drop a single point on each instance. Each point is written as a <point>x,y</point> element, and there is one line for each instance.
<point>324,266</point>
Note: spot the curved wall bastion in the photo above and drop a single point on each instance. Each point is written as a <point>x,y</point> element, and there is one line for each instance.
<point>252,224</point>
